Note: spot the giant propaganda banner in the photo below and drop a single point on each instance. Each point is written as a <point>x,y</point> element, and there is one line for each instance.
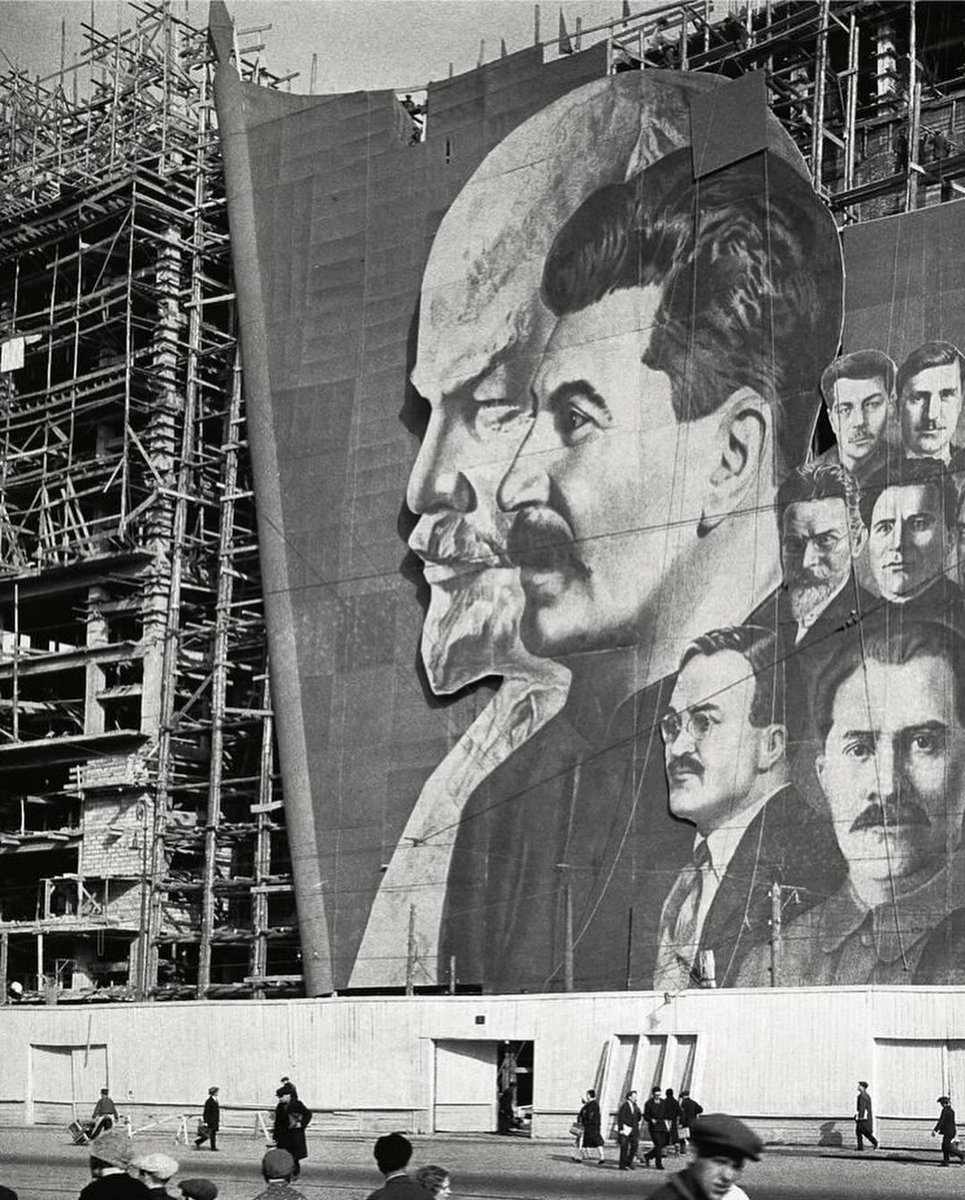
<point>595,665</point>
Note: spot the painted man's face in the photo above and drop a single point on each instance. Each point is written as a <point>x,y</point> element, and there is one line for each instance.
<point>710,747</point>
<point>603,507</point>
<point>906,540</point>
<point>930,405</point>
<point>816,552</point>
<point>893,768</point>
<point>858,417</point>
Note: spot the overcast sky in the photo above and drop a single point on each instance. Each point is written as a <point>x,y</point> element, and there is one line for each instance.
<point>359,43</point>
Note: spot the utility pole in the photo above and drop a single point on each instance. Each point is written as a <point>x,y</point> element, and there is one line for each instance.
<point>410,953</point>
<point>776,890</point>
<point>568,948</point>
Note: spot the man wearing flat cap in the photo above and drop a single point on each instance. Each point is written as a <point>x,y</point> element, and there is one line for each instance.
<point>721,1145</point>
<point>277,1167</point>
<point>945,1125</point>
<point>154,1171</point>
<point>110,1155</point>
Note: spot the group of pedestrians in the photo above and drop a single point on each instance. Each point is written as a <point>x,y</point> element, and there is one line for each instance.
<point>667,1119</point>
<point>291,1119</point>
<point>946,1125</point>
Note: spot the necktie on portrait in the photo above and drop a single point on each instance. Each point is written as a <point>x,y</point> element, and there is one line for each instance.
<point>679,935</point>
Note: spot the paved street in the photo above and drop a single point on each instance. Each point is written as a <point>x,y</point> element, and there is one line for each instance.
<point>41,1165</point>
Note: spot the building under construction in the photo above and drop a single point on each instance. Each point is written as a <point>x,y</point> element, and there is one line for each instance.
<point>141,826</point>
<point>142,833</point>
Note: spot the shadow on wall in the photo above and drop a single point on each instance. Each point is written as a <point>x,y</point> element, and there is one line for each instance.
<point>830,1134</point>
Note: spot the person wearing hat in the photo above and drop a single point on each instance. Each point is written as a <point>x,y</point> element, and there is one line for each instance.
<point>154,1171</point>
<point>198,1189</point>
<point>945,1125</point>
<point>277,1167</point>
<point>863,1117</point>
<point>210,1121</point>
<point>721,1145</point>
<point>291,1119</point>
<point>110,1155</point>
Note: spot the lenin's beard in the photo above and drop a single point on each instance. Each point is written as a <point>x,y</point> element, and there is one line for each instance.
<point>809,589</point>
<point>471,629</point>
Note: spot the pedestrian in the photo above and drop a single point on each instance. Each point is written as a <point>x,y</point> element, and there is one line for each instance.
<point>628,1130</point>
<point>210,1121</point>
<point>864,1117</point>
<point>506,1112</point>
<point>110,1156</point>
<point>576,1129</point>
<point>154,1171</point>
<point>654,1113</point>
<point>591,1123</point>
<point>690,1110</point>
<point>945,1125</point>
<point>435,1180</point>
<point>721,1145</point>
<point>291,1120</point>
<point>392,1152</point>
<point>277,1168</point>
<point>671,1110</point>
<point>198,1189</point>
<point>104,1115</point>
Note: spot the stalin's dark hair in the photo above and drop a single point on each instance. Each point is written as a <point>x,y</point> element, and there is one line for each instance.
<point>749,265</point>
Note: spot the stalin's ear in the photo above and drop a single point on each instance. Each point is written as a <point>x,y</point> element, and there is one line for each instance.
<point>742,440</point>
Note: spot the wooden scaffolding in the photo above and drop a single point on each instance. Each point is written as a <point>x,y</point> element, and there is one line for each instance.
<point>142,834</point>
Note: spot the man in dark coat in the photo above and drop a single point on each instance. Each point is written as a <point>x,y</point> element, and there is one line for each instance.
<point>210,1120</point>
<point>671,1110</point>
<point>945,1125</point>
<point>864,1117</point>
<point>628,1131</point>
<point>655,1115</point>
<point>690,1110</point>
<point>110,1155</point>
<point>291,1120</point>
<point>722,1144</point>
<point>392,1152</point>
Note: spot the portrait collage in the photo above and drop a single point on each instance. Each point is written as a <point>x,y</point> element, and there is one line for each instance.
<point>687,573</point>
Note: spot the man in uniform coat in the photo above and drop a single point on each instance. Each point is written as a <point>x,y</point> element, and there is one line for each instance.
<point>628,1131</point>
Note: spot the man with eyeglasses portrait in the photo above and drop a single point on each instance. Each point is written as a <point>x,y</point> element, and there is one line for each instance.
<point>859,392</point>
<point>725,748</point>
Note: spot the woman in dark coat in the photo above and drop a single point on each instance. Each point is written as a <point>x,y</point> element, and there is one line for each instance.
<point>589,1118</point>
<point>291,1118</point>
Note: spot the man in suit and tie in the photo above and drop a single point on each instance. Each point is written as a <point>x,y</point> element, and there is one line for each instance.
<point>628,1131</point>
<point>725,748</point>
